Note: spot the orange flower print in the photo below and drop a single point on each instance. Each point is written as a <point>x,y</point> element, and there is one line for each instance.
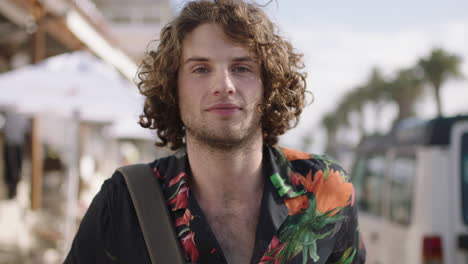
<point>307,181</point>
<point>178,178</point>
<point>292,154</point>
<point>330,193</point>
<point>180,201</point>
<point>190,248</point>
<point>295,178</point>
<point>271,255</point>
<point>185,219</point>
<point>297,204</point>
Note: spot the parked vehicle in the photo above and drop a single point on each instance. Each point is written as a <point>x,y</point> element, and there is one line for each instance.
<point>412,189</point>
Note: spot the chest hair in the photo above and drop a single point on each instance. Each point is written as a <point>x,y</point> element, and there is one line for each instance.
<point>235,231</point>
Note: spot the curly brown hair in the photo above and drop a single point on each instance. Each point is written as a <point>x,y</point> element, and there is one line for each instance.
<point>281,69</point>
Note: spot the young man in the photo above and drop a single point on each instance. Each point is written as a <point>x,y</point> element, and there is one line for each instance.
<point>221,87</point>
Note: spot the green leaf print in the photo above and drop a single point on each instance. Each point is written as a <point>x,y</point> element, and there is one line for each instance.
<point>282,187</point>
<point>302,231</point>
<point>179,185</point>
<point>347,257</point>
<point>329,161</point>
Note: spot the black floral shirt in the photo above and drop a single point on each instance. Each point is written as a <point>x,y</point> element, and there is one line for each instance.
<point>307,215</point>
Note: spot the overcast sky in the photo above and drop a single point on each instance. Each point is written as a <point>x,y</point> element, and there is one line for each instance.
<point>343,40</point>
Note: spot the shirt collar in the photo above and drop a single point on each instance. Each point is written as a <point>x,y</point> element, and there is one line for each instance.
<point>280,184</point>
<point>278,170</point>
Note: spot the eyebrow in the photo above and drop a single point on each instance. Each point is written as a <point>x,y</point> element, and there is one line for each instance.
<point>203,59</point>
<point>196,59</point>
<point>245,58</point>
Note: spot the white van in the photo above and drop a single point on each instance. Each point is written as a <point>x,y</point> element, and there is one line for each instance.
<point>412,189</point>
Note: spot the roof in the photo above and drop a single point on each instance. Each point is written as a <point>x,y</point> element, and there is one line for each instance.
<point>411,132</point>
<point>432,132</point>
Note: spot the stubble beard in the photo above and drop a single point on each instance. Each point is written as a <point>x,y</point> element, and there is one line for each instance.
<point>225,138</point>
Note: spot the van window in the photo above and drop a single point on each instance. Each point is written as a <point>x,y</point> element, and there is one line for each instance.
<point>402,173</point>
<point>368,177</point>
<point>464,176</point>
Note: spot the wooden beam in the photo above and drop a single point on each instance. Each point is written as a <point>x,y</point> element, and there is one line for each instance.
<point>57,29</point>
<point>36,165</point>
<point>35,8</point>
<point>39,53</point>
<point>39,45</point>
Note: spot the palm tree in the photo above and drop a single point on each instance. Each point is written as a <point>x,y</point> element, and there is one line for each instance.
<point>437,68</point>
<point>376,92</point>
<point>331,124</point>
<point>404,89</point>
<point>355,101</point>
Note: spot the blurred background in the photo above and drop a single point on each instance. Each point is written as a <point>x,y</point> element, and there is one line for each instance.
<point>390,103</point>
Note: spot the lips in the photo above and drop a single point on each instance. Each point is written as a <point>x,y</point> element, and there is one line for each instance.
<point>224,110</point>
<point>217,107</point>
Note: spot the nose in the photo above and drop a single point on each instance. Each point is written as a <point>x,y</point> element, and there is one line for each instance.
<point>223,83</point>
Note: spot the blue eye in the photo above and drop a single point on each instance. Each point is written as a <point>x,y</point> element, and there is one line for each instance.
<point>241,69</point>
<point>201,70</point>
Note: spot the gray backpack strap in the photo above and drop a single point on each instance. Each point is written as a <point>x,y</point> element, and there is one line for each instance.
<point>153,215</point>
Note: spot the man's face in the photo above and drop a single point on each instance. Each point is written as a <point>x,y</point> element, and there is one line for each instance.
<point>219,87</point>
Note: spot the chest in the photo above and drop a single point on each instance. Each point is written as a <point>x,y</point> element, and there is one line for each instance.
<point>235,232</point>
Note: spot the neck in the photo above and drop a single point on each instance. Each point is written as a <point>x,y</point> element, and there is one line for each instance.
<point>223,176</point>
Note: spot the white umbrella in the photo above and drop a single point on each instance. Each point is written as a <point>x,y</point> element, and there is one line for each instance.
<point>64,85</point>
<point>129,128</point>
<point>71,82</point>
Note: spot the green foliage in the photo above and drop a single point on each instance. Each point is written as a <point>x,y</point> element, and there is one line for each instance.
<point>347,257</point>
<point>302,231</point>
<point>437,68</point>
<point>282,187</point>
<point>403,88</point>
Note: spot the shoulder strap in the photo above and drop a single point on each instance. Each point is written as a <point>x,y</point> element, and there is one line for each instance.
<point>153,215</point>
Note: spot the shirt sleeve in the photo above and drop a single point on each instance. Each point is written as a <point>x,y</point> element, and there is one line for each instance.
<point>349,248</point>
<point>93,241</point>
